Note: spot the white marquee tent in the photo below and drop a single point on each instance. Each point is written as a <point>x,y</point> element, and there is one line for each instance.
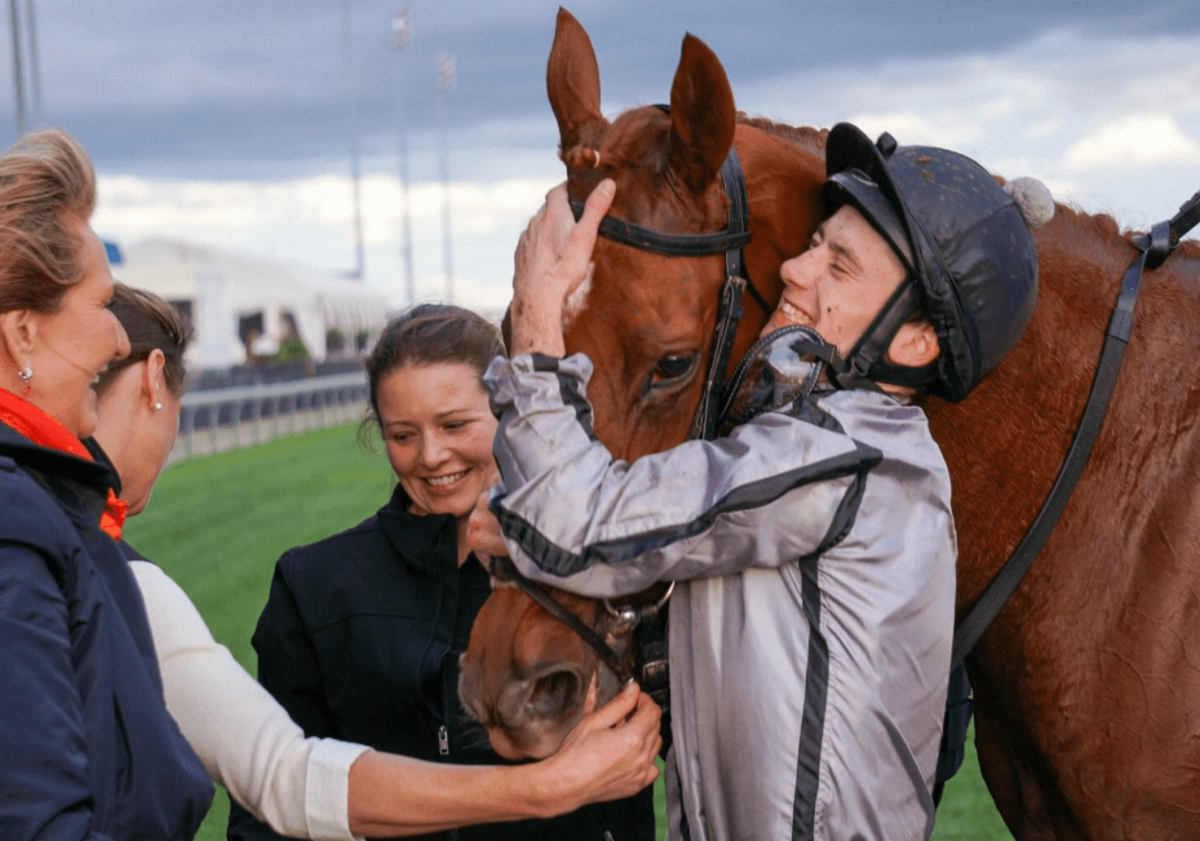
<point>236,302</point>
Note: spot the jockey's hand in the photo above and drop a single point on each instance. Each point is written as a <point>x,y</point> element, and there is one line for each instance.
<point>483,532</point>
<point>553,259</point>
<point>610,753</point>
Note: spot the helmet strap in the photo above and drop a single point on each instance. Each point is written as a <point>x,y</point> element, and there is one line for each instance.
<point>867,364</point>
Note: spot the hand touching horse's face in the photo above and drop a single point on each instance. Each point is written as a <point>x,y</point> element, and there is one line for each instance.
<point>527,678</point>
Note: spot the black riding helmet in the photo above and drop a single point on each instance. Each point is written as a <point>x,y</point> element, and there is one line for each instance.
<point>971,258</point>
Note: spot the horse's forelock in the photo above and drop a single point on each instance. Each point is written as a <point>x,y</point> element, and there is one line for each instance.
<point>635,133</point>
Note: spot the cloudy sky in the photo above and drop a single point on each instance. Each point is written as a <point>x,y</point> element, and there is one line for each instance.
<point>225,122</point>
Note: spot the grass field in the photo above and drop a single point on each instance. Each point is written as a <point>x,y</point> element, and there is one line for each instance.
<point>217,525</point>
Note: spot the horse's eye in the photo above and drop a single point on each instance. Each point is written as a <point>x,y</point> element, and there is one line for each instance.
<point>673,369</point>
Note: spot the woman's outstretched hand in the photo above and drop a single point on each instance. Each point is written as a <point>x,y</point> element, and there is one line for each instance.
<point>610,754</point>
<point>553,258</point>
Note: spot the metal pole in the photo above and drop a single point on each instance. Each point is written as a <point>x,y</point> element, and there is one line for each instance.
<point>444,86</point>
<point>18,75</point>
<point>352,120</point>
<point>35,70</point>
<point>402,35</point>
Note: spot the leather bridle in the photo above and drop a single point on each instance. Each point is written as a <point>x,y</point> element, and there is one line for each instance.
<point>625,618</point>
<point>729,242</point>
<point>1153,249</point>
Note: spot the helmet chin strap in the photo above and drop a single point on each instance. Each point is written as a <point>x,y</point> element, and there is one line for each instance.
<point>867,364</point>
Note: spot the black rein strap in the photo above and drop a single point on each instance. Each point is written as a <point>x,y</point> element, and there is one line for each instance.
<point>1154,248</point>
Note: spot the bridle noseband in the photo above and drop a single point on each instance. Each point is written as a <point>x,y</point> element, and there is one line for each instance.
<point>625,618</point>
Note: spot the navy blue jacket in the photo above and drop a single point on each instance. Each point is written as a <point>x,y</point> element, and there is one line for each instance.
<point>360,641</point>
<point>87,748</point>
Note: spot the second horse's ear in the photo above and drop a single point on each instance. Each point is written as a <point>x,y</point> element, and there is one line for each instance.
<point>573,83</point>
<point>703,116</point>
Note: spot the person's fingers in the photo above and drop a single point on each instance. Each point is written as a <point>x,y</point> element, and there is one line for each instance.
<point>557,197</point>
<point>594,210</point>
<point>484,535</point>
<point>619,708</point>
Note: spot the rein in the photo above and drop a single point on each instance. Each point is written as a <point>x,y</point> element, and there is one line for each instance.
<point>1153,249</point>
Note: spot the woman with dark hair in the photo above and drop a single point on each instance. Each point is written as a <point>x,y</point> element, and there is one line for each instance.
<point>361,634</point>
<point>87,749</point>
<point>308,787</point>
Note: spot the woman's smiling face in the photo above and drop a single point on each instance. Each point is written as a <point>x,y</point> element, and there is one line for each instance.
<point>438,428</point>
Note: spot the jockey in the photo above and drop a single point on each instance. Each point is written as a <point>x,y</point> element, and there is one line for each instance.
<point>813,544</point>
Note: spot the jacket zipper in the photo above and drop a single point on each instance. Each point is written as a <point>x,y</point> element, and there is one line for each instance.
<point>443,737</point>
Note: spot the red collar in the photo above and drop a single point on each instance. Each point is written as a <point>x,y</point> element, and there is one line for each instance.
<point>45,431</point>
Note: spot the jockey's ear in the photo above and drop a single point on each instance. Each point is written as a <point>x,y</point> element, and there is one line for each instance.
<point>914,345</point>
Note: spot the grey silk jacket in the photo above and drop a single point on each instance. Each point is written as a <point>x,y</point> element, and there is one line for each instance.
<point>810,632</point>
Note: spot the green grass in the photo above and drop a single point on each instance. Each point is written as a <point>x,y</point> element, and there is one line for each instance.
<point>218,524</point>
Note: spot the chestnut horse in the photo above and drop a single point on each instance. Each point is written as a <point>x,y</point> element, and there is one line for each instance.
<point>1087,685</point>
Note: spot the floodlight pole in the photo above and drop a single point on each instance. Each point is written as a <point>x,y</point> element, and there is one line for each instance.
<point>352,120</point>
<point>18,73</point>
<point>35,71</point>
<point>445,84</point>
<point>402,35</point>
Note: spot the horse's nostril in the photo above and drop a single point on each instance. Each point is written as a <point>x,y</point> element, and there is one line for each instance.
<point>550,694</point>
<point>554,694</point>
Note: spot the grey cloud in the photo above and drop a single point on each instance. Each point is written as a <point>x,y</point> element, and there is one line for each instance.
<point>219,88</point>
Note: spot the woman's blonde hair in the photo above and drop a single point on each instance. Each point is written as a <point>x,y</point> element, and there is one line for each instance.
<point>47,187</point>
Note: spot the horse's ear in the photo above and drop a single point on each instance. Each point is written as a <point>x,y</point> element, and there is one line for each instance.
<point>573,81</point>
<point>703,117</point>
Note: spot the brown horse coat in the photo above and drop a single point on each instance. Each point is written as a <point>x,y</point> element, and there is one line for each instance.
<point>1088,684</point>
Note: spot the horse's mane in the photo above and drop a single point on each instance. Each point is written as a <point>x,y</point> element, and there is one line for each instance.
<point>625,140</point>
<point>629,142</point>
<point>812,139</point>
<point>1100,225</point>
<point>631,146</point>
<point>1105,227</point>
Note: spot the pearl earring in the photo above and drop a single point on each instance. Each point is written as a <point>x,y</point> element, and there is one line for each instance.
<point>26,374</point>
<point>157,407</point>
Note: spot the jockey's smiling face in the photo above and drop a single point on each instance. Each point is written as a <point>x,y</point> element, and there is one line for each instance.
<point>840,282</point>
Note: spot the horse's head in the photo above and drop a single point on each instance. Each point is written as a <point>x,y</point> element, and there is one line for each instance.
<point>650,337</point>
<point>646,320</point>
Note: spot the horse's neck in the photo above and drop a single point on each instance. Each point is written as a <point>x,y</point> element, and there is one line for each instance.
<point>1006,442</point>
